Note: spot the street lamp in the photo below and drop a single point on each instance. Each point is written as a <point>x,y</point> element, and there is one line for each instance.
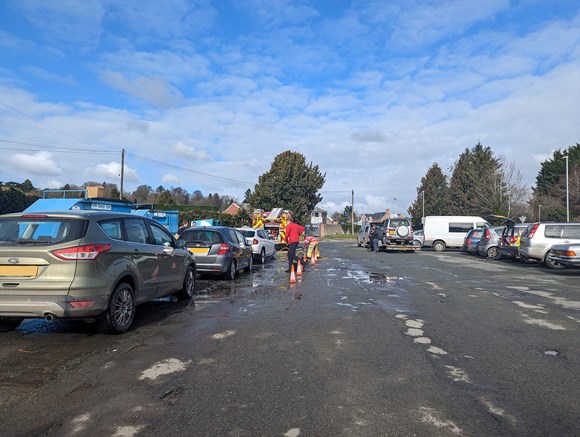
<point>539,213</point>
<point>567,196</point>
<point>423,204</point>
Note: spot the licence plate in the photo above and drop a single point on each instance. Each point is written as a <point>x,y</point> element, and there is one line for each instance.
<point>199,250</point>
<point>392,232</point>
<point>18,270</point>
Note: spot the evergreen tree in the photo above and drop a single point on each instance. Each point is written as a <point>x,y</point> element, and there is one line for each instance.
<point>290,184</point>
<point>475,169</point>
<point>436,194</point>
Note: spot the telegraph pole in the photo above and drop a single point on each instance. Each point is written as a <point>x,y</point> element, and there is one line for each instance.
<point>352,213</point>
<point>122,172</point>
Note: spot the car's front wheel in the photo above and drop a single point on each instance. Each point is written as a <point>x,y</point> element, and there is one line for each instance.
<point>188,289</point>
<point>120,313</point>
<point>551,264</point>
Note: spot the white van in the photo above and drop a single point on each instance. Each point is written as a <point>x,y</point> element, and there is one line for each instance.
<point>442,231</point>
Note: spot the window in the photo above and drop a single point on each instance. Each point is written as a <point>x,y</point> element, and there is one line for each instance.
<point>112,228</point>
<point>42,229</point>
<point>160,235</point>
<point>553,231</point>
<point>460,227</point>
<point>571,231</point>
<point>136,231</point>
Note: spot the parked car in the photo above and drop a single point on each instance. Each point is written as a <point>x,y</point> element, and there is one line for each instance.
<point>262,245</point>
<point>488,245</point>
<point>88,264</point>
<point>567,255</point>
<point>510,240</point>
<point>219,250</point>
<point>362,236</point>
<point>538,238</point>
<point>418,237</point>
<point>442,232</point>
<point>471,240</point>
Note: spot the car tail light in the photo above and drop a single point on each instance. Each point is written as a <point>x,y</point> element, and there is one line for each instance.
<point>82,253</point>
<point>468,240</point>
<point>224,248</point>
<point>255,241</point>
<point>533,230</point>
<point>513,240</point>
<point>487,235</point>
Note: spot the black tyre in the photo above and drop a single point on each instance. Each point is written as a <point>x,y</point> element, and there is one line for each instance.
<point>551,264</point>
<point>274,254</point>
<point>439,246</point>
<point>263,256</point>
<point>9,323</point>
<point>493,253</point>
<point>249,268</point>
<point>231,272</point>
<point>119,316</point>
<point>189,282</point>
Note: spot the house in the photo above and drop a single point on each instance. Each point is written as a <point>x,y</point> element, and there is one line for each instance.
<point>233,209</point>
<point>368,217</point>
<point>318,216</point>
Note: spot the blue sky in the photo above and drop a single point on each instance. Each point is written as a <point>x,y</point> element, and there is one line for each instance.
<point>204,94</point>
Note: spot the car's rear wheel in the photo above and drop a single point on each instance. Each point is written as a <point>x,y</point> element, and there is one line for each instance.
<point>263,256</point>
<point>120,313</point>
<point>188,289</point>
<point>551,264</point>
<point>230,273</point>
<point>438,246</point>
<point>493,253</point>
<point>9,323</point>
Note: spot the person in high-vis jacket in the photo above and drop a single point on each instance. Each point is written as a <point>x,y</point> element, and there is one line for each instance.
<point>311,247</point>
<point>293,232</point>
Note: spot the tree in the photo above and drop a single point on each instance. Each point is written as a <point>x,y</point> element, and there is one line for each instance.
<point>435,191</point>
<point>550,190</point>
<point>290,184</point>
<point>474,179</point>
<point>142,194</point>
<point>247,195</point>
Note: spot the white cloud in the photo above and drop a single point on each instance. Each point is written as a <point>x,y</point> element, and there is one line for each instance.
<point>170,179</point>
<point>111,171</point>
<point>188,152</point>
<point>151,90</point>
<point>36,164</point>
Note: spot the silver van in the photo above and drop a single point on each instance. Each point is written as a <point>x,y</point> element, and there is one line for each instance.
<point>537,240</point>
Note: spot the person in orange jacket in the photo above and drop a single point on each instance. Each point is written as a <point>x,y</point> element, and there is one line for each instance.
<point>293,232</point>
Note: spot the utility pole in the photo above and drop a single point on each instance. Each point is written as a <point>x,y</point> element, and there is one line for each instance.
<point>352,213</point>
<point>567,196</point>
<point>122,173</point>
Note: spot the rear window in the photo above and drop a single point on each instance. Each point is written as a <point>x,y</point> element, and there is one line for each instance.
<point>571,231</point>
<point>395,223</point>
<point>40,230</point>
<point>249,234</point>
<point>201,236</point>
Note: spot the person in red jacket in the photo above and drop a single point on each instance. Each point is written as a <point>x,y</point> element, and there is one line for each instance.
<point>293,232</point>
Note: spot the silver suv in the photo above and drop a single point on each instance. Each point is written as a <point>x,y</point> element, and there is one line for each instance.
<point>88,264</point>
<point>538,238</point>
<point>396,231</point>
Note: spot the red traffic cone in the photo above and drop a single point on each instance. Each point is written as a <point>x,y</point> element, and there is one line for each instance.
<point>299,269</point>
<point>292,275</point>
